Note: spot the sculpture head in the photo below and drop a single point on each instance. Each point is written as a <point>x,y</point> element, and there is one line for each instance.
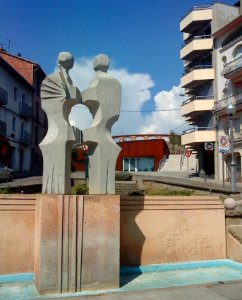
<point>101,63</point>
<point>65,59</point>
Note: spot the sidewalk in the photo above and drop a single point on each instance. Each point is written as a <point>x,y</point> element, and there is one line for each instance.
<point>173,178</point>
<point>183,180</point>
<point>216,291</point>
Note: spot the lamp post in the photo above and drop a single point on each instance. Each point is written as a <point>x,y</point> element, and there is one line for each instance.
<point>230,110</point>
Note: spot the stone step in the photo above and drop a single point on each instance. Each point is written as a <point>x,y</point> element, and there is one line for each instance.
<point>236,231</point>
<point>126,187</point>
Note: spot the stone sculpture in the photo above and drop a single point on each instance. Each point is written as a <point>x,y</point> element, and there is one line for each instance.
<point>103,98</point>
<point>58,95</point>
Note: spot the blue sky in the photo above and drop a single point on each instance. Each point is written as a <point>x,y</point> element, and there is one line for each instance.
<point>141,36</point>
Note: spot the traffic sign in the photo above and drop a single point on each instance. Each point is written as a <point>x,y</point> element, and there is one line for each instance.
<point>84,147</point>
<point>188,153</point>
<point>208,146</point>
<point>224,145</point>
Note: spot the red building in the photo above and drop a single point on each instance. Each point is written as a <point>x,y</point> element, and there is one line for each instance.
<point>138,153</point>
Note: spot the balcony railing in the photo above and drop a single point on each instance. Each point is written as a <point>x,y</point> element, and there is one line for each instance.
<point>197,67</point>
<point>25,138</point>
<point>232,66</point>
<point>200,7</point>
<point>25,110</point>
<point>233,99</point>
<point>3,97</point>
<point>3,128</point>
<point>197,129</point>
<point>234,38</point>
<point>196,37</point>
<point>196,98</point>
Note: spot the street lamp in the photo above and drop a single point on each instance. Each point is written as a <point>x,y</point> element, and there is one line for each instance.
<point>230,110</point>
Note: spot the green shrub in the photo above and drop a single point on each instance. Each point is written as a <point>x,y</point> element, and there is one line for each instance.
<point>168,192</point>
<point>5,191</point>
<point>123,176</point>
<point>79,189</point>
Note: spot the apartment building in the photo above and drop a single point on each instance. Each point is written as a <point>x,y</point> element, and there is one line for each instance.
<point>198,79</point>
<point>228,53</point>
<point>22,122</point>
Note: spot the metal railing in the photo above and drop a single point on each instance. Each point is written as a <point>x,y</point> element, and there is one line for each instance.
<point>195,37</point>
<point>25,138</point>
<point>197,129</point>
<point>3,128</point>
<point>233,99</point>
<point>197,67</point>
<point>25,110</point>
<point>200,7</point>
<point>237,36</point>
<point>3,97</point>
<point>192,98</point>
<point>232,66</point>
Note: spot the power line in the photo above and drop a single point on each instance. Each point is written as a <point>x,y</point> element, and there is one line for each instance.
<point>131,111</point>
<point>154,110</point>
<point>179,126</point>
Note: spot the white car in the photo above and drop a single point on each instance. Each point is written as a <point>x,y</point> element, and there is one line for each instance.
<point>5,173</point>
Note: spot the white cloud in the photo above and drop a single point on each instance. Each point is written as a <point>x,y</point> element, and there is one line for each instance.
<point>164,121</point>
<point>135,92</point>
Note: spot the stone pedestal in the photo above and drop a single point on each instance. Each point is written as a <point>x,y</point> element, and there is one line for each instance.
<point>77,243</point>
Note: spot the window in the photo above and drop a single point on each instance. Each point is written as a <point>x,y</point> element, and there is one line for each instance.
<point>138,164</point>
<point>15,92</point>
<point>126,164</point>
<point>38,87</point>
<point>36,137</point>
<point>22,131</point>
<point>37,111</point>
<point>14,124</point>
<point>23,98</point>
<point>238,52</point>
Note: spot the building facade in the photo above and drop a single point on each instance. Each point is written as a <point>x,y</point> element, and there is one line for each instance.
<point>138,153</point>
<point>141,153</point>
<point>228,48</point>
<point>23,123</point>
<point>198,79</point>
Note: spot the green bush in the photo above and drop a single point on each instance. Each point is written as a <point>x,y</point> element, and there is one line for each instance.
<point>123,176</point>
<point>5,191</point>
<point>169,192</point>
<point>79,189</point>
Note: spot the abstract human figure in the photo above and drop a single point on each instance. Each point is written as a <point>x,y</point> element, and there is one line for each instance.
<point>58,95</point>
<point>103,98</point>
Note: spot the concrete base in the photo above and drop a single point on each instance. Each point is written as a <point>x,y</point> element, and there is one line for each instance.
<point>17,218</point>
<point>234,248</point>
<point>77,241</point>
<point>160,229</point>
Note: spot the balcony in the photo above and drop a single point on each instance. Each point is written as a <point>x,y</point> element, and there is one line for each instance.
<point>233,69</point>
<point>196,105</point>
<point>25,110</point>
<point>198,135</point>
<point>197,75</point>
<point>196,18</point>
<point>3,97</point>
<point>196,46</point>
<point>3,128</point>
<point>233,99</point>
<point>25,138</point>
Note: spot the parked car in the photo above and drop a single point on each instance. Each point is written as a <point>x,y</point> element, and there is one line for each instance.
<point>5,173</point>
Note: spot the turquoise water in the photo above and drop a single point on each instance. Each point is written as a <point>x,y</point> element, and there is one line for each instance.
<point>21,286</point>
